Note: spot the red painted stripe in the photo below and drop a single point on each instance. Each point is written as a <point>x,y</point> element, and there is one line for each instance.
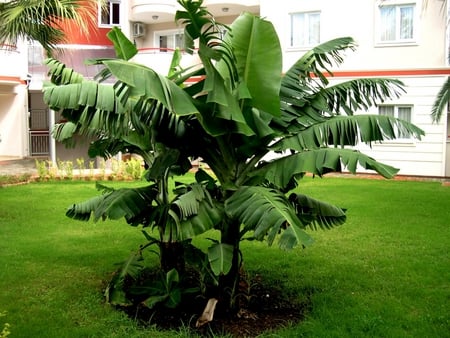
<point>393,72</point>
<point>160,49</point>
<point>11,79</point>
<point>375,73</point>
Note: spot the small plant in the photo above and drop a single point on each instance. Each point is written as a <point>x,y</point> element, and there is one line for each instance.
<point>52,169</point>
<point>65,169</point>
<point>80,163</point>
<point>167,291</point>
<point>133,169</point>
<point>115,167</point>
<point>42,170</point>
<point>103,168</point>
<point>81,166</point>
<point>69,169</point>
<point>91,169</point>
<point>61,165</point>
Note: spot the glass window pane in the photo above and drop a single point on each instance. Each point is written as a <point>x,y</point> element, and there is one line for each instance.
<point>314,28</point>
<point>115,13</point>
<point>297,29</point>
<point>386,110</point>
<point>387,31</point>
<point>404,113</point>
<point>163,43</point>
<point>406,22</point>
<point>179,41</point>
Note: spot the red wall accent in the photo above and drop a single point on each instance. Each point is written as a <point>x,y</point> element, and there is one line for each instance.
<point>96,35</point>
<point>11,79</point>
<point>391,72</point>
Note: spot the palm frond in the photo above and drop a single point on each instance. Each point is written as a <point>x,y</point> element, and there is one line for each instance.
<point>45,20</point>
<point>266,212</point>
<point>441,102</point>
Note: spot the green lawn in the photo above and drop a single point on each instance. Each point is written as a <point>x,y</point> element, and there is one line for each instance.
<point>385,273</point>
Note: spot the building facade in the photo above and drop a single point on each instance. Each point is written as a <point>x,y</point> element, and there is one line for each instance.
<point>402,39</point>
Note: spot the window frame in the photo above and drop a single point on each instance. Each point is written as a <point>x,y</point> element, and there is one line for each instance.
<point>397,41</point>
<point>306,35</point>
<point>399,139</point>
<point>172,32</point>
<point>110,4</point>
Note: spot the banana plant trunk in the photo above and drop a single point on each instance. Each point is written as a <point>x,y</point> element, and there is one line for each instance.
<point>228,283</point>
<point>172,256</point>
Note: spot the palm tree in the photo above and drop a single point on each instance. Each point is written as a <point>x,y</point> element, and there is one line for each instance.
<point>241,111</point>
<point>44,20</point>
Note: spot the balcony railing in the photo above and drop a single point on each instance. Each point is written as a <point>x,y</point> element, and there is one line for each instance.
<point>159,59</point>
<point>39,143</point>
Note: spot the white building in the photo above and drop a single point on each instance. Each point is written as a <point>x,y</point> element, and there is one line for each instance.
<point>403,39</point>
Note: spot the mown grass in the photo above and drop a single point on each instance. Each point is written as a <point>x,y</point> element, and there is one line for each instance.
<point>385,273</point>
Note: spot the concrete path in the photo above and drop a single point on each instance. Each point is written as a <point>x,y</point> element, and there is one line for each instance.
<point>15,166</point>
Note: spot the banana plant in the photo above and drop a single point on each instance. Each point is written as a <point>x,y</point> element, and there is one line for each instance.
<point>100,111</point>
<point>241,112</point>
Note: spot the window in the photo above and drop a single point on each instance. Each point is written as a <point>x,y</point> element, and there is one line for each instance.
<point>305,29</point>
<point>397,23</point>
<point>170,41</point>
<point>401,112</point>
<point>110,13</point>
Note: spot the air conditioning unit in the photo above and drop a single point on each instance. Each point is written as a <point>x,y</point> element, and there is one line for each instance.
<point>138,29</point>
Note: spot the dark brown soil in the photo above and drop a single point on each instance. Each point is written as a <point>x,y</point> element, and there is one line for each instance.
<point>265,307</point>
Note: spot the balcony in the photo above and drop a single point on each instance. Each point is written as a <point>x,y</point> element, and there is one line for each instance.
<point>13,63</point>
<point>159,59</point>
<point>150,12</point>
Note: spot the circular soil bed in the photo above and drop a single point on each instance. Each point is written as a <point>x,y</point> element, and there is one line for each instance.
<point>265,307</point>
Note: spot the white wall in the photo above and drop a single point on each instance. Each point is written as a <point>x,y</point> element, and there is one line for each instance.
<point>357,18</point>
<point>425,157</point>
<point>13,121</point>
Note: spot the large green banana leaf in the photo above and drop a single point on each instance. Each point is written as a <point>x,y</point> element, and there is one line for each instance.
<point>134,204</point>
<point>147,83</point>
<point>266,212</point>
<point>314,213</point>
<point>348,131</point>
<point>258,60</point>
<point>319,161</point>
<point>60,74</point>
<point>124,48</point>
<point>317,62</point>
<point>220,256</point>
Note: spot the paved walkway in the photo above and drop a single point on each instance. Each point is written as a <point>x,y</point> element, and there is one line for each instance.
<point>15,166</point>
